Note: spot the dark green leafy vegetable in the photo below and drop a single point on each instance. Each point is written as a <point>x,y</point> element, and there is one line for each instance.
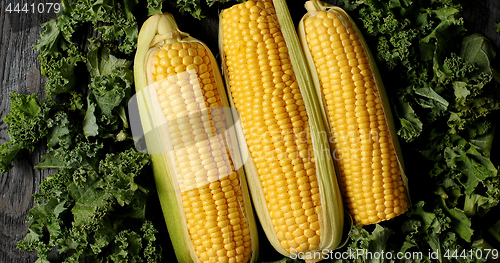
<point>446,101</point>
<point>94,214</point>
<point>94,207</point>
<point>26,121</point>
<point>196,8</point>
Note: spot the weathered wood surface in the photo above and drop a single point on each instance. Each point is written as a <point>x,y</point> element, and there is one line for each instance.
<point>19,71</point>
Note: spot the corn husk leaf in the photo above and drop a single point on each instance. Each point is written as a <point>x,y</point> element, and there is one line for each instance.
<point>314,6</point>
<point>158,30</point>
<point>333,215</point>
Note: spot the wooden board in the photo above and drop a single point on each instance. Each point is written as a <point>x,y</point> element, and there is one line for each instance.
<point>19,72</point>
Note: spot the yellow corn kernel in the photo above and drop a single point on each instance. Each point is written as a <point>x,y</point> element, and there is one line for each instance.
<point>207,180</point>
<point>370,174</point>
<point>181,103</point>
<point>275,124</point>
<point>201,160</point>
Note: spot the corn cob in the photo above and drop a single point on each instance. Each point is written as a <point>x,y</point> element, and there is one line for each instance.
<point>290,172</point>
<point>203,196</point>
<point>369,165</point>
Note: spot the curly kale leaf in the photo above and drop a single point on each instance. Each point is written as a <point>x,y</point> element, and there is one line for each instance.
<point>59,56</point>
<point>478,50</point>
<point>30,122</point>
<point>411,126</point>
<point>55,40</point>
<point>48,221</point>
<point>109,92</point>
<point>430,230</point>
<point>8,153</point>
<point>113,19</point>
<point>90,127</point>
<point>195,8</point>
<point>151,252</point>
<point>396,48</point>
<point>26,119</point>
<point>465,169</point>
<point>119,171</point>
<point>155,7</point>
<point>445,96</point>
<point>464,94</point>
<point>475,94</point>
<point>475,167</point>
<point>94,208</point>
<point>53,187</point>
<point>139,246</point>
<point>366,242</point>
<point>27,124</point>
<point>87,213</point>
<point>72,156</point>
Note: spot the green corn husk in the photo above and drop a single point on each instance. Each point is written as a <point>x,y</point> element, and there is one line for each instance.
<point>332,215</point>
<point>158,31</point>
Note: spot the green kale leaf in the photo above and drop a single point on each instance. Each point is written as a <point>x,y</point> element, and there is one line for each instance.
<point>93,207</point>
<point>446,98</point>
<point>27,125</point>
<point>87,213</point>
